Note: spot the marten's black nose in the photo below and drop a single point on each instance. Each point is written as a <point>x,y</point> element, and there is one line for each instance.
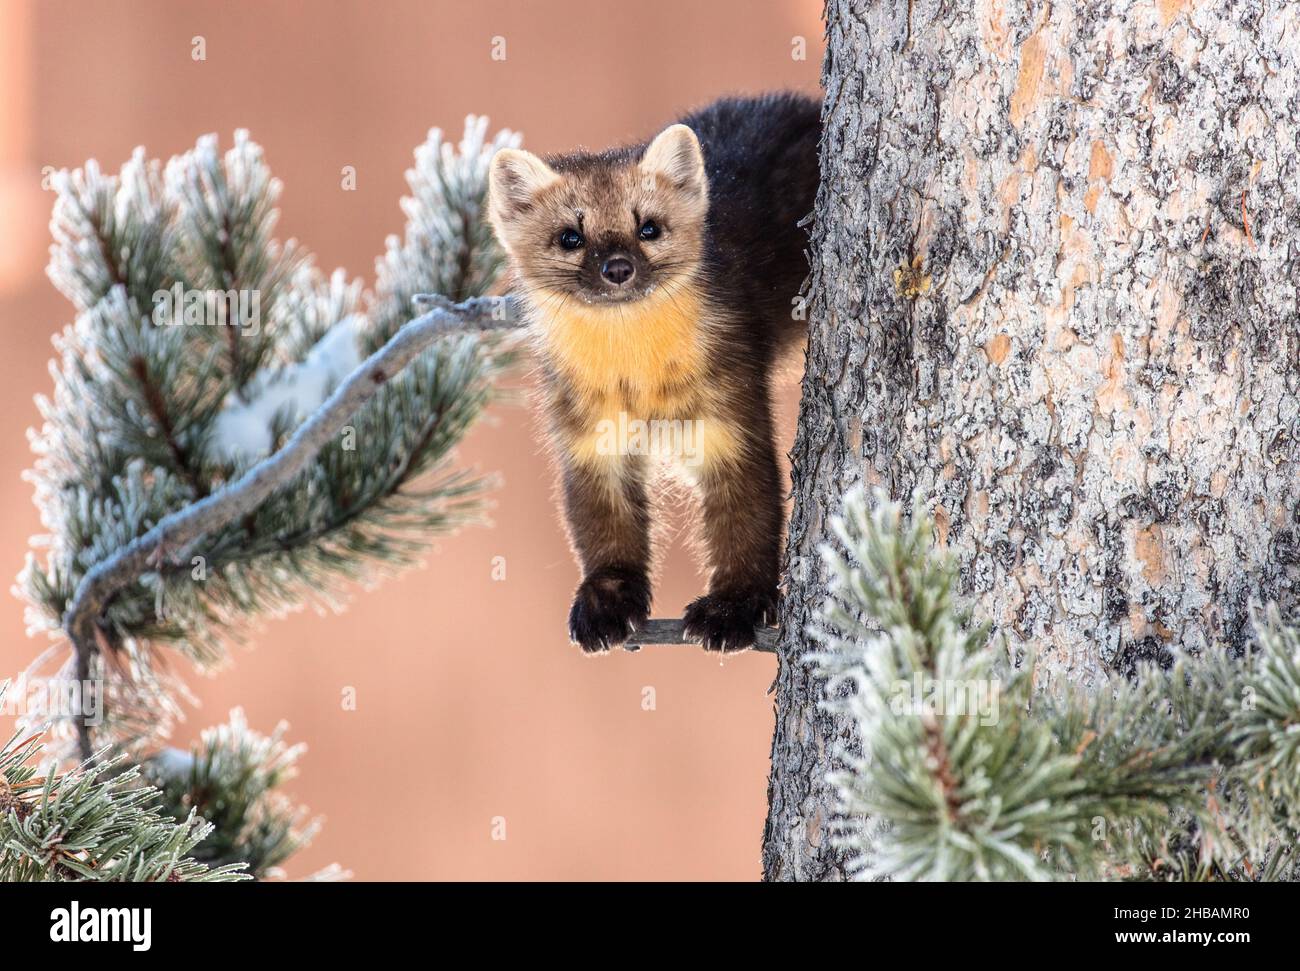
<point>617,270</point>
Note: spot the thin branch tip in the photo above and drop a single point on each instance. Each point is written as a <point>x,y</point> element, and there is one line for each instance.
<point>672,631</point>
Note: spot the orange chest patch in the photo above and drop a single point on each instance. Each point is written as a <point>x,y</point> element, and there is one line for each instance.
<point>646,357</point>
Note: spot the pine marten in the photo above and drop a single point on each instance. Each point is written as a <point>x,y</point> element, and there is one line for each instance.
<point>663,283</point>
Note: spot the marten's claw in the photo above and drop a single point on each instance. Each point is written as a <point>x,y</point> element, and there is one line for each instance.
<point>728,621</point>
<point>609,605</point>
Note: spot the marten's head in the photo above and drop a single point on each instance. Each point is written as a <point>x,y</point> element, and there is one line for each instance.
<point>602,229</point>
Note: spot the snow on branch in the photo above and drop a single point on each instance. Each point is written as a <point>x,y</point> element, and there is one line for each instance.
<point>200,342</point>
<point>170,539</point>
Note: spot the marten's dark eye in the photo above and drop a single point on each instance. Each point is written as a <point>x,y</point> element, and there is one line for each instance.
<point>570,239</point>
<point>649,230</point>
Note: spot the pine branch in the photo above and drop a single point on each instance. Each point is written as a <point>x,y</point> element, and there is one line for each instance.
<point>95,822</point>
<point>231,778</point>
<point>154,410</point>
<point>966,772</point>
<point>157,406</point>
<point>170,539</point>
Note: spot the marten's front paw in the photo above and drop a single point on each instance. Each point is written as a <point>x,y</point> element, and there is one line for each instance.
<point>610,604</point>
<point>728,621</point>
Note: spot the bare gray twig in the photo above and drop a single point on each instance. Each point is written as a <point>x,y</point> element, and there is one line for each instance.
<point>672,632</point>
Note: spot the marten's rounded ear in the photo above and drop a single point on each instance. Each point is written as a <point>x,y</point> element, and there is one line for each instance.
<point>514,180</point>
<point>675,154</point>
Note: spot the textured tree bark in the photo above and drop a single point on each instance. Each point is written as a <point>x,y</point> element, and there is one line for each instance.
<point>1054,289</point>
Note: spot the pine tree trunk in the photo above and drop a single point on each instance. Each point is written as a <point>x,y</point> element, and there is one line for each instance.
<point>1055,279</point>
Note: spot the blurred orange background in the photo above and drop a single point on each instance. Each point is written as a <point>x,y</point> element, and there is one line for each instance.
<point>471,704</point>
